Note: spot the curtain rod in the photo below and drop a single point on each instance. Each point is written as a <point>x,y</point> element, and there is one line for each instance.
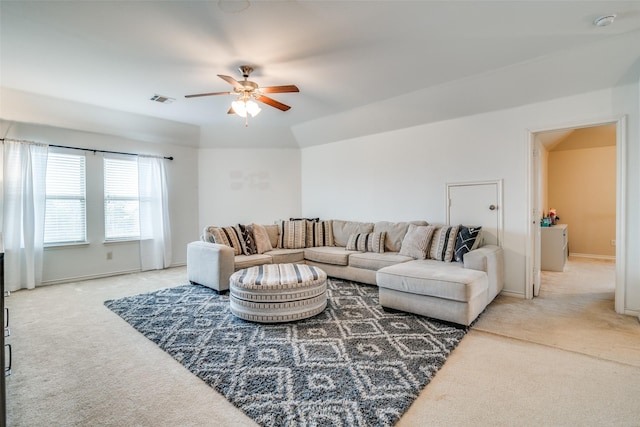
<point>90,149</point>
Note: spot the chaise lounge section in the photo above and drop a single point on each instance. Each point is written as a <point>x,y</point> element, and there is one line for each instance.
<point>439,271</point>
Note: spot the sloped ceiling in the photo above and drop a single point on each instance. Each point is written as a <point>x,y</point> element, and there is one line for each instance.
<point>362,66</point>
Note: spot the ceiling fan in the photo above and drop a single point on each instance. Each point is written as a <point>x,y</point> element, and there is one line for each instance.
<point>249,91</point>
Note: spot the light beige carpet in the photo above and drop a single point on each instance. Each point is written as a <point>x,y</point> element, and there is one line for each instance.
<point>78,364</point>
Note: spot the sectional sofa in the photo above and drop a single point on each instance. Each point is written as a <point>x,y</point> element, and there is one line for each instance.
<point>439,271</point>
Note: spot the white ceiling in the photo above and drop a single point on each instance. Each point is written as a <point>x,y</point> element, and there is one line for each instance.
<point>397,61</point>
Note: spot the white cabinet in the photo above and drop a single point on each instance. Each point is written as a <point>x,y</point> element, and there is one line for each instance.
<point>554,248</point>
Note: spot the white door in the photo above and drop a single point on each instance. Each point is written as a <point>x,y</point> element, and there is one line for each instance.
<point>537,214</point>
<point>479,204</point>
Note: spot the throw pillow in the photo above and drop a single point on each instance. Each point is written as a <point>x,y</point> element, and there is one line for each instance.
<point>229,236</point>
<point>292,234</point>
<point>263,242</point>
<point>443,243</point>
<point>416,241</point>
<point>273,230</point>
<point>319,233</point>
<point>467,240</point>
<point>305,219</point>
<point>246,232</point>
<point>367,242</point>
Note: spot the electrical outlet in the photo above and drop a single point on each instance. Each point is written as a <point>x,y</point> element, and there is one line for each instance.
<point>109,255</point>
<point>613,242</point>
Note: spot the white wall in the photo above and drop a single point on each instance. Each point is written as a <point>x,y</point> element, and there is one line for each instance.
<point>78,262</point>
<point>248,185</point>
<point>401,175</point>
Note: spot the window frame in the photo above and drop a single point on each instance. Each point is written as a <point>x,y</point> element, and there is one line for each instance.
<point>52,151</point>
<point>123,198</point>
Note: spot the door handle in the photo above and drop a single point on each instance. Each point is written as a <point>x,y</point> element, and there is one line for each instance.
<point>493,207</point>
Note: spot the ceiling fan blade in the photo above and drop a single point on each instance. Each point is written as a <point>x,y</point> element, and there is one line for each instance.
<point>207,94</point>
<point>280,89</point>
<point>273,103</point>
<point>233,82</point>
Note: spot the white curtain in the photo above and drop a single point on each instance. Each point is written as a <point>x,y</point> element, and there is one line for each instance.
<point>155,233</point>
<point>24,186</point>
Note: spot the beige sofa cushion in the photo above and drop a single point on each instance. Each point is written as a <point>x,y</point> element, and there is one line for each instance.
<point>329,255</point>
<point>286,256</point>
<point>376,261</point>
<point>395,233</point>
<point>244,261</point>
<point>434,278</point>
<point>343,229</point>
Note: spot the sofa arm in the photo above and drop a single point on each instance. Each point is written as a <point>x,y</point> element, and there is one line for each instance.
<point>490,259</point>
<point>210,264</point>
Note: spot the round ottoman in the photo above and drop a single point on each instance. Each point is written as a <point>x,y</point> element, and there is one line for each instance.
<point>274,293</point>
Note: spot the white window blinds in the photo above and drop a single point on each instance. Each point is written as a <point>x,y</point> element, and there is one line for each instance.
<point>65,214</point>
<point>121,205</point>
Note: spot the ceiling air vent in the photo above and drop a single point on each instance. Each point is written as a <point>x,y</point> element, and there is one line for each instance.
<point>162,99</point>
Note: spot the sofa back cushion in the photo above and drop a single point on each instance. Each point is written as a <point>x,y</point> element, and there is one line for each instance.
<point>342,230</point>
<point>395,233</point>
<point>443,243</point>
<point>319,233</point>
<point>367,242</point>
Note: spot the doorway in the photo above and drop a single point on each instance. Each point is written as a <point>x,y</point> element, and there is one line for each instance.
<point>580,169</point>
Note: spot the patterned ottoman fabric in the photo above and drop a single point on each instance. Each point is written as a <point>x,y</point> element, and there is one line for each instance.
<point>274,293</point>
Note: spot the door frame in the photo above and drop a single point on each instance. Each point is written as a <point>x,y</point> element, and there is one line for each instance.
<point>498,184</point>
<point>533,172</point>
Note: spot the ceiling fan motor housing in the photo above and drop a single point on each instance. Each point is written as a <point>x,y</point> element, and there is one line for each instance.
<point>248,86</point>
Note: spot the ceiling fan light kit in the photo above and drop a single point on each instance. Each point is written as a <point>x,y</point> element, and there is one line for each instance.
<point>243,107</point>
<point>249,92</point>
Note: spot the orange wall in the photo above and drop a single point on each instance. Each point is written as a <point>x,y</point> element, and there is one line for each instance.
<point>582,189</point>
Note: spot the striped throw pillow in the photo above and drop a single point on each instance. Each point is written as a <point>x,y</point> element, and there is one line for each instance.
<point>367,242</point>
<point>443,243</point>
<point>319,233</point>
<point>229,236</point>
<point>292,234</point>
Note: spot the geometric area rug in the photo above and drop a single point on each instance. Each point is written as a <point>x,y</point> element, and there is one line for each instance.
<point>352,365</point>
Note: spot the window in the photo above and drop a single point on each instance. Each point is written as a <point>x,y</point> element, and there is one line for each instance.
<point>121,204</point>
<point>65,214</point>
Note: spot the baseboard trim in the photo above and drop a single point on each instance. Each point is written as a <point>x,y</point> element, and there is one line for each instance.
<point>103,275</point>
<point>88,277</point>
<point>512,294</point>
<point>578,255</point>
